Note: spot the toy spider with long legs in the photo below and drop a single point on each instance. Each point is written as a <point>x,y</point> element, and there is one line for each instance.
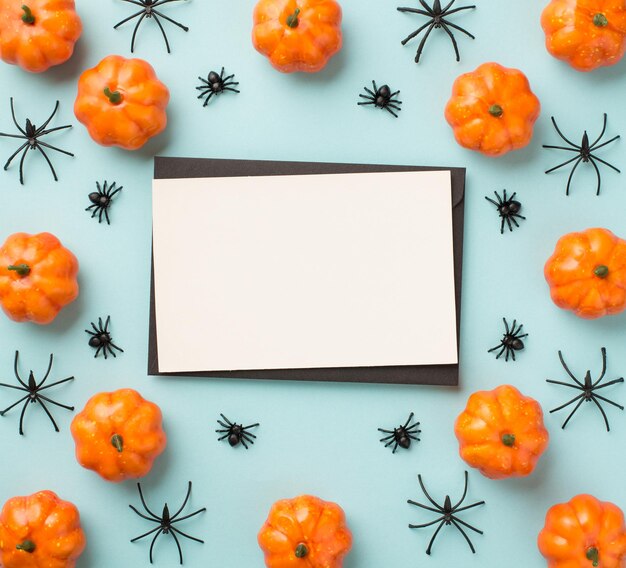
<point>402,435</point>
<point>102,199</point>
<point>511,341</point>
<point>508,209</point>
<point>215,85</point>
<point>382,98</point>
<point>235,433</point>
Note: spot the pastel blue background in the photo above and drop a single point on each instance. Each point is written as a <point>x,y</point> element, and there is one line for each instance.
<point>317,438</point>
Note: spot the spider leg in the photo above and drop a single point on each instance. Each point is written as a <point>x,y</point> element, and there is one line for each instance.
<point>390,111</point>
<point>231,89</point>
<point>146,534</point>
<point>427,8</point>
<point>243,442</point>
<point>604,143</point>
<point>567,403</point>
<point>160,2</point>
<point>156,19</point>
<point>511,351</point>
<point>408,420</point>
<point>595,167</point>
<point>426,524</point>
<point>17,375</point>
<point>135,2</point>
<point>106,214</point>
<point>107,348</point>
<point>251,426</point>
<point>458,526</point>
<point>48,413</point>
<point>606,163</point>
<point>458,10</point>
<point>248,437</point>
<point>511,219</point>
<point>111,194</point>
<point>577,150</point>
<point>15,120</point>
<point>394,106</point>
<point>208,98</point>
<point>12,135</point>
<point>51,130</point>
<point>26,389</point>
<point>385,431</point>
<point>185,28</point>
<point>492,201</point>
<point>571,175</point>
<point>572,413</point>
<point>414,11</point>
<point>45,378</point>
<point>601,133</point>
<point>223,437</point>
<point>129,17</point>
<point>154,520</point>
<point>506,325</point>
<point>225,79</point>
<point>180,551</point>
<point>417,32</point>
<point>184,503</point>
<point>469,507</point>
<point>459,28</point>
<point>393,95</point>
<point>54,174</point>
<point>40,143</point>
<point>568,371</point>
<point>502,224</point>
<point>620,380</point>
<point>444,11</point>
<point>563,384</point>
<point>373,93</point>
<point>464,492</point>
<point>100,348</point>
<point>203,510</point>
<point>14,405</point>
<point>143,502</point>
<point>152,544</point>
<point>375,87</point>
<point>24,152</point>
<point>432,540</point>
<point>102,209</point>
<point>370,103</point>
<point>439,508</point>
<point>22,417</point>
<point>608,401</point>
<point>132,41</point>
<point>424,506</point>
<point>226,420</point>
<point>500,346</point>
<point>227,426</point>
<point>562,135</point>
<point>71,408</point>
<point>8,163</point>
<point>40,388</point>
<point>606,420</point>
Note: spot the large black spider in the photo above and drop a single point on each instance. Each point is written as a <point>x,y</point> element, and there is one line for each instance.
<point>101,340</point>
<point>381,97</point>
<point>148,10</point>
<point>101,200</point>
<point>448,514</point>
<point>32,135</point>
<point>511,341</point>
<point>216,84</point>
<point>235,433</point>
<point>402,435</point>
<point>165,522</point>
<point>508,209</point>
<point>33,393</point>
<point>584,153</point>
<point>437,19</point>
<point>587,388</point>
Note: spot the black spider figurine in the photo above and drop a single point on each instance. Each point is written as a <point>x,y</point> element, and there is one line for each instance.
<point>148,10</point>
<point>588,390</point>
<point>235,433</point>
<point>101,340</point>
<point>101,200</point>
<point>165,522</point>
<point>33,393</point>
<point>402,435</point>
<point>381,97</point>
<point>583,153</point>
<point>32,135</point>
<point>448,514</point>
<point>511,341</point>
<point>508,209</point>
<point>438,18</point>
<point>216,84</point>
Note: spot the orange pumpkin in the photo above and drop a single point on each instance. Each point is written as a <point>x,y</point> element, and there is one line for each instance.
<point>118,435</point>
<point>587,273</point>
<point>587,34</point>
<point>305,531</point>
<point>40,531</point>
<point>501,433</point>
<point>297,35</point>
<point>37,34</point>
<point>492,110</point>
<point>37,277</point>
<point>122,102</point>
<point>582,533</point>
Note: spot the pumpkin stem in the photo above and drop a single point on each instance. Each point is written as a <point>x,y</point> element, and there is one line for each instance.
<point>600,21</point>
<point>593,554</point>
<point>508,440</point>
<point>601,271</point>
<point>27,16</point>
<point>21,269</point>
<point>117,442</point>
<point>301,550</point>
<point>496,110</point>
<point>26,546</point>
<point>115,97</point>
<point>292,20</point>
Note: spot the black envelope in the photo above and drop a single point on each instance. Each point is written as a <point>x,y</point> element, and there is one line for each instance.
<point>178,168</point>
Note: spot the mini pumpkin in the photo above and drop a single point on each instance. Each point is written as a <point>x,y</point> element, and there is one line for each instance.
<point>492,110</point>
<point>501,433</point>
<point>305,531</point>
<point>40,531</point>
<point>582,533</point>
<point>118,435</point>
<point>587,273</point>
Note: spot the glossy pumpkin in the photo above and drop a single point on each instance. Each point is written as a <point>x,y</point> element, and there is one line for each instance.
<point>37,277</point>
<point>297,35</point>
<point>305,532</point>
<point>587,34</point>
<point>118,435</point>
<point>501,433</point>
<point>584,533</point>
<point>587,273</point>
<point>40,531</point>
<point>492,110</point>
<point>122,102</point>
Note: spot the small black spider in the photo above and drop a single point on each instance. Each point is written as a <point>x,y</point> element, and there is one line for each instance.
<point>32,135</point>
<point>437,19</point>
<point>102,200</point>
<point>165,522</point>
<point>588,389</point>
<point>235,432</point>
<point>511,341</point>
<point>33,390</point>
<point>508,209</point>
<point>382,97</point>
<point>101,339</point>
<point>584,153</point>
<point>448,514</point>
<point>402,435</point>
<point>148,10</point>
<point>215,84</point>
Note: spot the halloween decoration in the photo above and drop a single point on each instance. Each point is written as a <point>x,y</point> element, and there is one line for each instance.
<point>508,209</point>
<point>511,341</point>
<point>101,340</point>
<point>102,200</point>
<point>382,98</point>
<point>216,84</point>
<point>402,435</point>
<point>235,433</point>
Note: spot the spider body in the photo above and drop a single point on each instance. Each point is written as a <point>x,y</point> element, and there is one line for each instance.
<point>508,209</point>
<point>235,433</point>
<point>216,84</point>
<point>402,435</point>
<point>101,200</point>
<point>511,341</point>
<point>382,98</point>
<point>31,134</point>
<point>101,339</point>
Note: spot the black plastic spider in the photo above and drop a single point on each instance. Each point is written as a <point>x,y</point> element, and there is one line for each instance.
<point>584,153</point>
<point>148,10</point>
<point>101,339</point>
<point>511,341</point>
<point>235,432</point>
<point>402,435</point>
<point>32,135</point>
<point>165,522</point>
<point>33,390</point>
<point>448,514</point>
<point>588,389</point>
<point>216,84</point>
<point>381,97</point>
<point>508,209</point>
<point>102,200</point>
<point>437,19</point>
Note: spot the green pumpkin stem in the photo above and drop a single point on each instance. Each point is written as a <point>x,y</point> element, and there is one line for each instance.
<point>115,97</point>
<point>496,110</point>
<point>301,550</point>
<point>601,271</point>
<point>600,21</point>
<point>508,440</point>
<point>26,546</point>
<point>21,269</point>
<point>117,442</point>
<point>593,554</point>
<point>292,20</point>
<point>27,16</point>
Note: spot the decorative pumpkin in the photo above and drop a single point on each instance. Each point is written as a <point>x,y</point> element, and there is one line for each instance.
<point>118,435</point>
<point>492,110</point>
<point>40,531</point>
<point>122,102</point>
<point>587,34</point>
<point>37,277</point>
<point>305,531</point>
<point>501,433</point>
<point>297,35</point>
<point>587,273</point>
<point>37,34</point>
<point>582,533</point>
